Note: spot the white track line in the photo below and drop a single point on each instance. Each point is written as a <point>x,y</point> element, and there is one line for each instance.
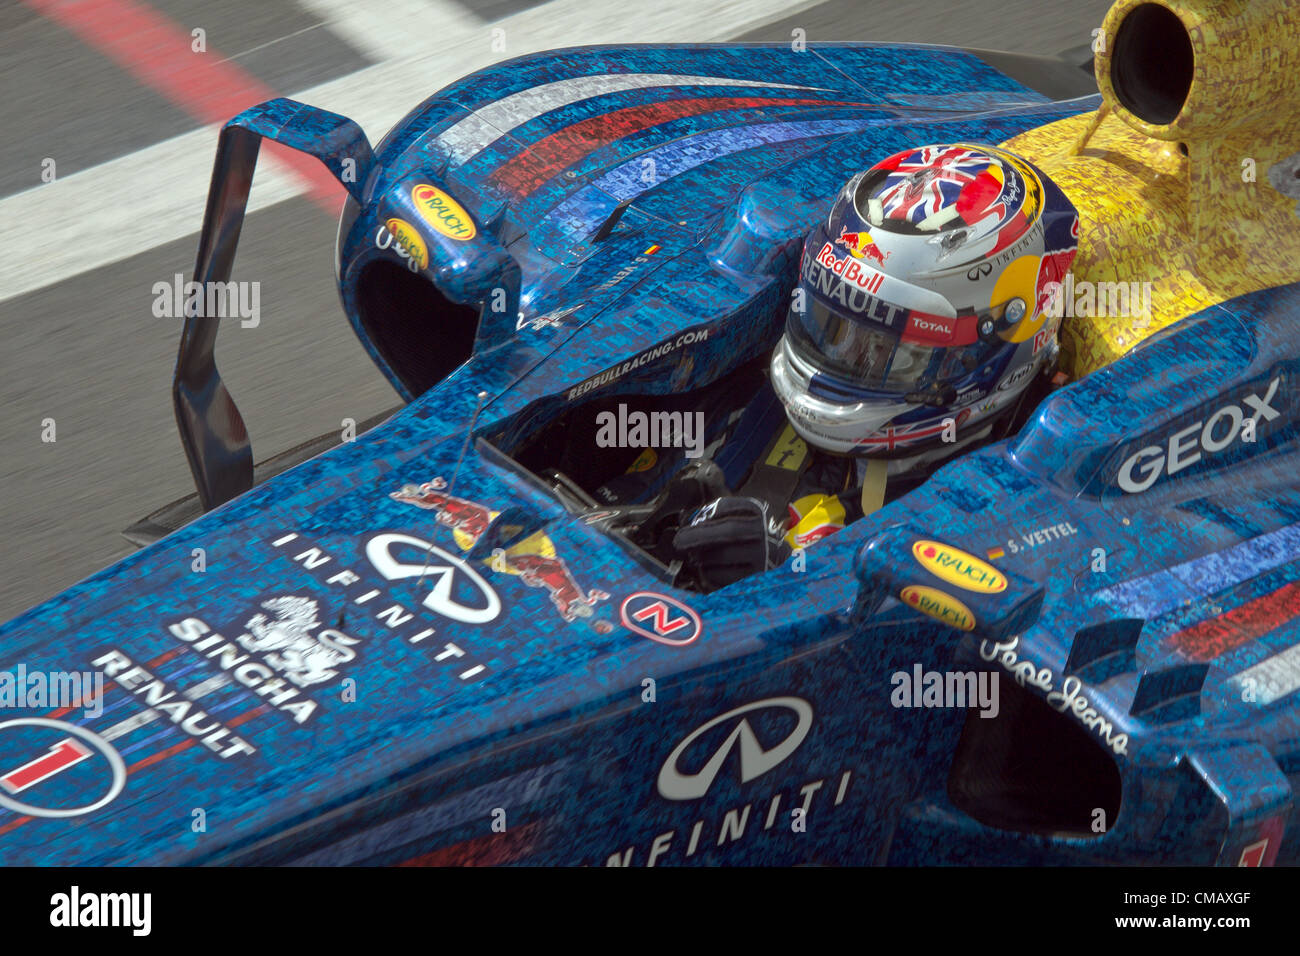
<point>395,29</point>
<point>156,195</point>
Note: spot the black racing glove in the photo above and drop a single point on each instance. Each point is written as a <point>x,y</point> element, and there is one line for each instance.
<point>729,539</point>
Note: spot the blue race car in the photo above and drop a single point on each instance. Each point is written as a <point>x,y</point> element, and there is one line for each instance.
<point>605,590</point>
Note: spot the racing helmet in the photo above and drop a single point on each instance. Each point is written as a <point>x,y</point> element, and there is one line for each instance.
<point>925,301</point>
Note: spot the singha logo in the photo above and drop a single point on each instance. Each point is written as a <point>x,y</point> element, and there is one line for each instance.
<point>286,633</point>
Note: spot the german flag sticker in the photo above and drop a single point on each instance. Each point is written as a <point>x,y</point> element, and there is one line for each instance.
<point>652,250</point>
<point>995,553</point>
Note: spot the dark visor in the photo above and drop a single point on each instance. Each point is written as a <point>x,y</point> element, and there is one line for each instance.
<point>875,358</point>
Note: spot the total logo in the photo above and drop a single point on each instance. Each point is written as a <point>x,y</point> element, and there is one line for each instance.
<point>936,325</point>
<point>661,618</point>
<point>753,740</point>
<point>47,768</point>
<point>1185,447</point>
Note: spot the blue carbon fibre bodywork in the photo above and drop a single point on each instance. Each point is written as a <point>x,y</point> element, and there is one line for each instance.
<point>431,705</point>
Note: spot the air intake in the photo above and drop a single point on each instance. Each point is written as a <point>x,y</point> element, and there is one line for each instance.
<point>419,333</point>
<point>1152,65</point>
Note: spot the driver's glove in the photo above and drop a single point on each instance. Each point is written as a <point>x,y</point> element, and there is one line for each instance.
<point>728,539</point>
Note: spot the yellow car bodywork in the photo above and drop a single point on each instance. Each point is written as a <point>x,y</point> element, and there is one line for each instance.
<point>1202,207</point>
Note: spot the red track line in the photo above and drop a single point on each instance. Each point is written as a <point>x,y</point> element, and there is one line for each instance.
<point>164,657</point>
<point>56,714</point>
<point>157,52</point>
<point>489,850</point>
<point>13,825</point>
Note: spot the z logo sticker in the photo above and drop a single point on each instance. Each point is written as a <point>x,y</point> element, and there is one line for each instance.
<point>661,618</point>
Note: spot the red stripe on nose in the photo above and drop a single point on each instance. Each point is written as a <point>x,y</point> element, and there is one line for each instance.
<point>551,155</point>
<point>1206,640</point>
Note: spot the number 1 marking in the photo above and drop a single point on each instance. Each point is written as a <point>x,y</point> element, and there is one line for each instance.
<point>66,753</point>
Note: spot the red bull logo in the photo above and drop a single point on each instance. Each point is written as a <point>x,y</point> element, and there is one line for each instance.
<point>552,573</point>
<point>850,270</point>
<point>861,246</point>
<point>532,560</point>
<point>812,518</point>
<point>467,517</point>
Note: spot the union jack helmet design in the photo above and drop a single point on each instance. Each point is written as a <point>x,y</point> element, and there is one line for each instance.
<point>923,301</point>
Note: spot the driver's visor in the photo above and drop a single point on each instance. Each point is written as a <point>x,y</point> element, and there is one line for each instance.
<point>873,357</point>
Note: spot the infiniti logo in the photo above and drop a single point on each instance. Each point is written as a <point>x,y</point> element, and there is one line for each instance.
<point>754,759</point>
<point>440,600</point>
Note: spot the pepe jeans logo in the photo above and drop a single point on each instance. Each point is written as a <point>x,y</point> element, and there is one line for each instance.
<point>1069,699</point>
<point>443,213</point>
<point>930,326</point>
<point>755,760</point>
<point>959,568</point>
<point>940,606</point>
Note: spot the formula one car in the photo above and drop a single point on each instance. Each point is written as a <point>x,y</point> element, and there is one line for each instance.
<point>431,645</point>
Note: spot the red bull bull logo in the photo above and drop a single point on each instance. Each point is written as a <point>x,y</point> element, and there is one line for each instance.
<point>532,560</point>
<point>461,515</point>
<point>861,246</point>
<point>552,573</point>
<point>864,277</point>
